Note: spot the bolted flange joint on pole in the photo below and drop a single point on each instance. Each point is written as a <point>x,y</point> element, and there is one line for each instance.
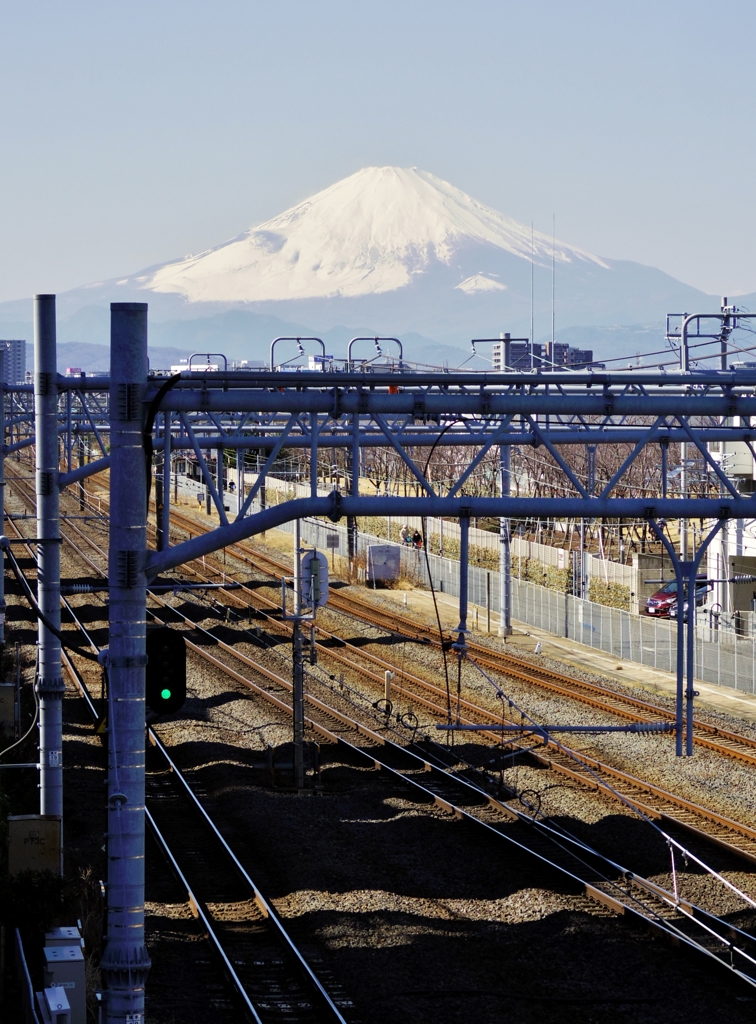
<point>125,961</point>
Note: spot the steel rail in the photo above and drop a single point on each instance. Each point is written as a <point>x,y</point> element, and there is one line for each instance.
<point>715,738</point>
<point>618,899</point>
<point>656,902</point>
<point>704,823</point>
<point>322,996</point>
<point>711,826</point>
<point>686,814</point>
<point>580,767</point>
<point>265,907</point>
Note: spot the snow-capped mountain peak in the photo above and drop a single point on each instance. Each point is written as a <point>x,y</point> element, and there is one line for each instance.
<point>370,233</point>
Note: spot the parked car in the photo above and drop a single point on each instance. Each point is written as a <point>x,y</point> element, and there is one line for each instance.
<point>664,600</point>
<point>661,602</point>
<point>702,589</point>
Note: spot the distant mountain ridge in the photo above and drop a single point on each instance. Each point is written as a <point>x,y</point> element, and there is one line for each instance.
<point>391,251</point>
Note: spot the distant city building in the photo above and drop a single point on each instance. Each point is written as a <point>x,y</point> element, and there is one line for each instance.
<point>558,354</point>
<point>522,355</point>
<point>15,361</point>
<point>320,363</point>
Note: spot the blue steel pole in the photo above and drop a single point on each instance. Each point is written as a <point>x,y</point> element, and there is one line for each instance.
<point>297,694</point>
<point>166,479</point>
<point>505,550</point>
<point>2,491</point>
<point>461,630</point>
<point>690,651</point>
<point>49,680</point>
<point>680,659</point>
<point>125,962</point>
<point>354,486</point>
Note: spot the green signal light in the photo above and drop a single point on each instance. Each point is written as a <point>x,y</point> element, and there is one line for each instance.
<point>165,694</point>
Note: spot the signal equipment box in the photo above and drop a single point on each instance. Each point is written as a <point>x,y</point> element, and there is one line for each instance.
<point>165,676</point>
<point>314,579</point>
<point>33,843</point>
<point>64,968</point>
<point>383,562</point>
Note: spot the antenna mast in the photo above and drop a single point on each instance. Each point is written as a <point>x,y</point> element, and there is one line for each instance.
<point>553,278</point>
<point>532,254</point>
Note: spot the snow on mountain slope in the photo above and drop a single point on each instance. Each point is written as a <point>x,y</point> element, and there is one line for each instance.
<point>480,283</point>
<point>368,234</point>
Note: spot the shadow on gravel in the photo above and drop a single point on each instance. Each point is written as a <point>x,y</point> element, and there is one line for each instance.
<point>87,613</point>
<point>233,637</point>
<point>384,641</point>
<point>568,967</point>
<point>21,624</point>
<point>190,753</point>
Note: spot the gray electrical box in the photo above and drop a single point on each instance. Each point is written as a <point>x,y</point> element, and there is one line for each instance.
<point>64,968</point>
<point>69,936</point>
<point>54,1006</point>
<point>383,562</point>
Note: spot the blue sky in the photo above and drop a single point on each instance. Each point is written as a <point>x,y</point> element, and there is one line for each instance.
<point>132,133</point>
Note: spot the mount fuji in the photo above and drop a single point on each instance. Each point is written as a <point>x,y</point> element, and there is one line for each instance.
<point>387,250</point>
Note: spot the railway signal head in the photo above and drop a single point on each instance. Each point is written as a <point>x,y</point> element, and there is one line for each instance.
<point>314,579</point>
<point>166,671</point>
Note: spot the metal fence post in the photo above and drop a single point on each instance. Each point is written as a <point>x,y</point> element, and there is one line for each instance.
<point>50,685</point>
<point>125,962</point>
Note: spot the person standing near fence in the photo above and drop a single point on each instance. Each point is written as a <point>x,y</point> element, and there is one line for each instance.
<point>404,533</point>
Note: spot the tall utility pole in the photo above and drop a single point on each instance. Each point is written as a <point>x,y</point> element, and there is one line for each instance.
<point>50,685</point>
<point>166,480</point>
<point>553,283</point>
<point>684,494</point>
<point>298,667</point>
<point>505,547</point>
<point>532,260</point>
<point>125,962</point>
<point>80,460</point>
<point>505,525</point>
<point>353,481</point>
<point>2,491</point>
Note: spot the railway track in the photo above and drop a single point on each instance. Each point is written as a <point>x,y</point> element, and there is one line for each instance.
<point>267,970</point>
<point>271,979</point>
<point>715,738</point>
<point>650,800</point>
<point>605,881</point>
<point>614,887</point>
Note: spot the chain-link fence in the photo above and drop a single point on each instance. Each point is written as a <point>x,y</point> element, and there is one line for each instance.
<point>721,656</point>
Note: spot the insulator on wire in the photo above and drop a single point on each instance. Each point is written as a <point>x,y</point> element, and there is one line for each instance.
<point>643,727</point>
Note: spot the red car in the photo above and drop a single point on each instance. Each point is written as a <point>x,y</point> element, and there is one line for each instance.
<point>664,600</point>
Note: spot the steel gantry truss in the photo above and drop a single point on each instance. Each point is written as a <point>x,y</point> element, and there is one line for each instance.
<point>130,415</point>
